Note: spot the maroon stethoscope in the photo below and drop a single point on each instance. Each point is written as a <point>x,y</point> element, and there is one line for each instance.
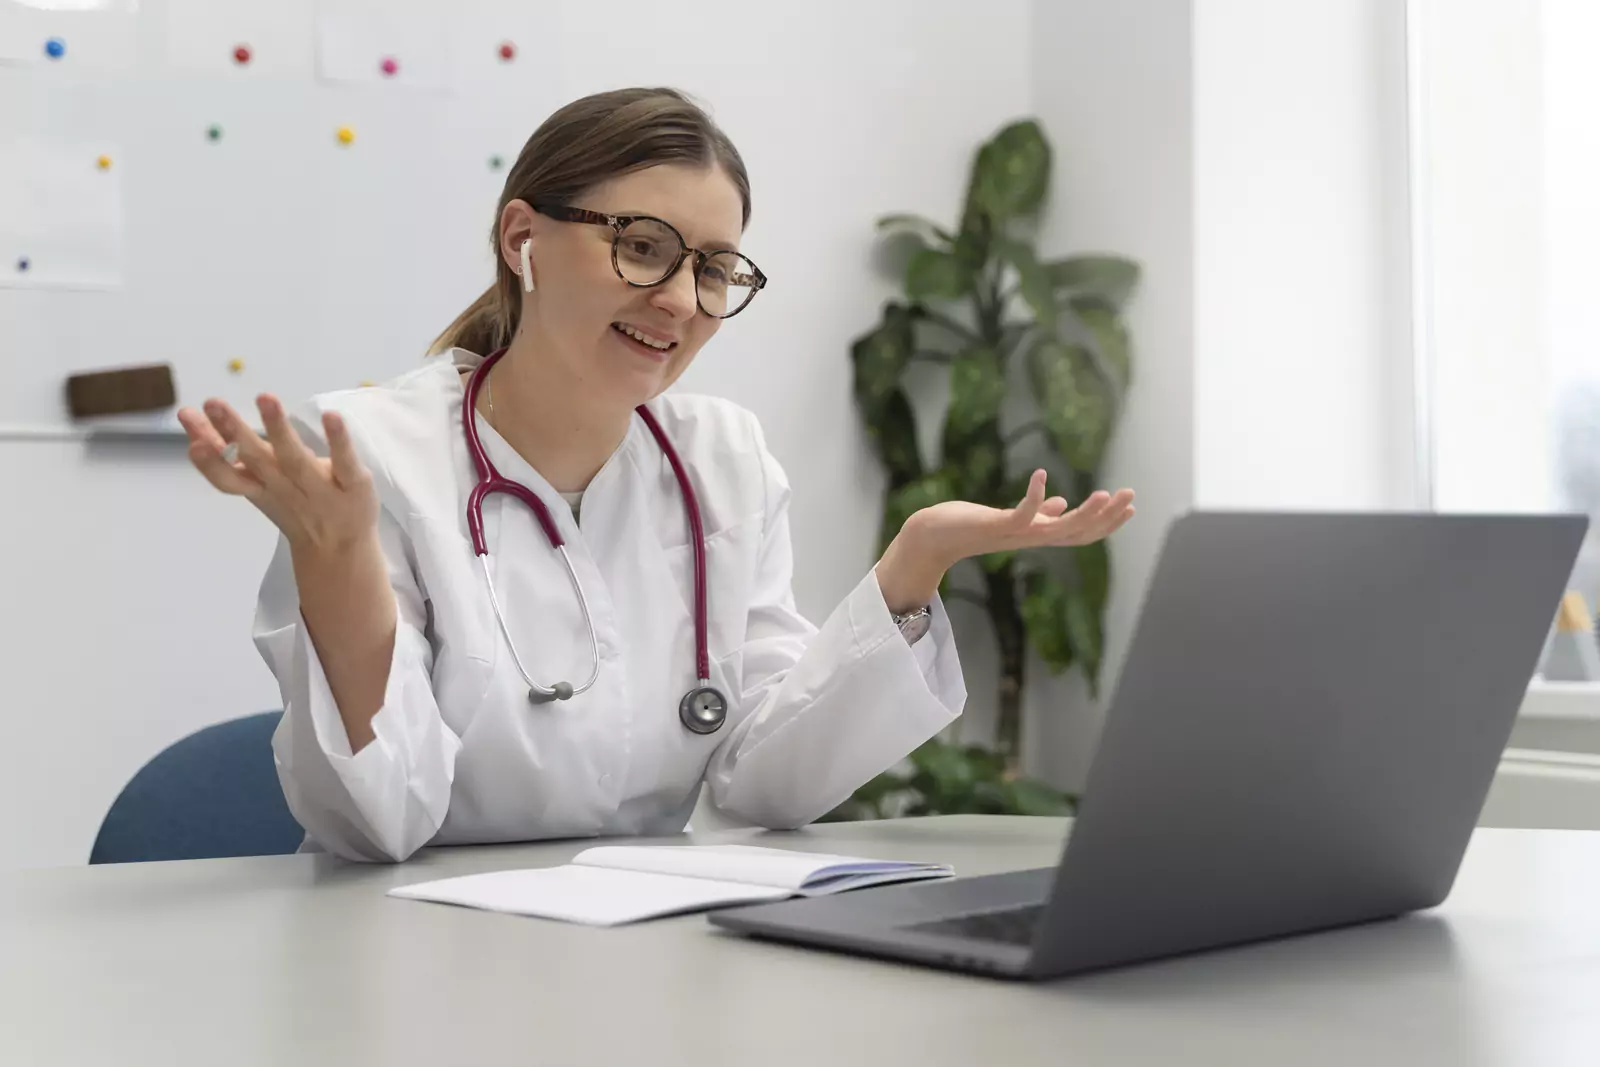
<point>703,709</point>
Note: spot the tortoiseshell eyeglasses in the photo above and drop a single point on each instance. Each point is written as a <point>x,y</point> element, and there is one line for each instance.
<point>646,251</point>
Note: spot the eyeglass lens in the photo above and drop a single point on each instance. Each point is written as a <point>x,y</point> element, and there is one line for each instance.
<point>647,250</point>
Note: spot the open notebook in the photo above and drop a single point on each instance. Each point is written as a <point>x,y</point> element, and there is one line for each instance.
<point>613,884</point>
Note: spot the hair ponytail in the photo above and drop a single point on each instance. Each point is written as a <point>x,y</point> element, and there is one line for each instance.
<point>583,144</point>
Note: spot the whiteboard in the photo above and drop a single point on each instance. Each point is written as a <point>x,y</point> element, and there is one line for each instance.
<point>271,258</point>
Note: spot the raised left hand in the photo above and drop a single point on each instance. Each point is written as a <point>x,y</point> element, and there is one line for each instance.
<point>935,538</point>
<point>956,529</point>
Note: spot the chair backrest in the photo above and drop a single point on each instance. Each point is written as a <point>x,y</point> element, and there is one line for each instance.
<point>213,793</point>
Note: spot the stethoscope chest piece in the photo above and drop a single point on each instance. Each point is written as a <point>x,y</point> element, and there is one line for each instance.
<point>703,710</point>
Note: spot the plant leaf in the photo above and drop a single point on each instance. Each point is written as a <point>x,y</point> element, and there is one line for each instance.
<point>935,275</point>
<point>915,224</point>
<point>1011,173</point>
<point>948,764</point>
<point>977,389</point>
<point>1013,335</point>
<point>1110,279</point>
<point>1010,492</point>
<point>974,464</point>
<point>901,503</point>
<point>971,247</point>
<point>892,429</point>
<point>994,562</point>
<point>1074,400</point>
<point>1029,796</point>
<point>1092,562</point>
<point>1109,335</point>
<point>986,765</point>
<point>945,776</point>
<point>881,786</point>
<point>880,357</point>
<point>972,450</point>
<point>1044,614</point>
<point>1033,282</point>
<point>989,798</point>
<point>1084,633</point>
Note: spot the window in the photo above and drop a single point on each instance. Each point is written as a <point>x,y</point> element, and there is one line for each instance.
<point>1506,244</point>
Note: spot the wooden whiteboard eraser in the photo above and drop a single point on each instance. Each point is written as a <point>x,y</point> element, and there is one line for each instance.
<point>126,389</point>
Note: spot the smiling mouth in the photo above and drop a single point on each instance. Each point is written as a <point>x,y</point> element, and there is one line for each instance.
<point>643,341</point>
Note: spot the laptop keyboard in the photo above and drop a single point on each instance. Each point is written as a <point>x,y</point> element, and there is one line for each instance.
<point>1013,926</point>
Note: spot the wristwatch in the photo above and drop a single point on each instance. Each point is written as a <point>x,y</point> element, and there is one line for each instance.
<point>913,624</point>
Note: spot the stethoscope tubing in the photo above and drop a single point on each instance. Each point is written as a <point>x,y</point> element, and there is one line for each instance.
<point>491,481</point>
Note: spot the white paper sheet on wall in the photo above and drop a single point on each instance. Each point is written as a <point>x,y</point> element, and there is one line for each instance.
<point>71,34</point>
<point>241,38</point>
<point>366,43</point>
<point>60,214</point>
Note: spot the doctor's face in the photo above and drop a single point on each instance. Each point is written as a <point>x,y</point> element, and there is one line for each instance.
<point>625,341</point>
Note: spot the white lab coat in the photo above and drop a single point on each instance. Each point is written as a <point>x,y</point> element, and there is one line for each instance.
<point>461,755</point>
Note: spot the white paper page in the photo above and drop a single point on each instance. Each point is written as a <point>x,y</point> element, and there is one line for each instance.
<point>596,896</point>
<point>752,864</point>
<point>363,42</point>
<point>270,37</point>
<point>60,214</point>
<point>89,34</point>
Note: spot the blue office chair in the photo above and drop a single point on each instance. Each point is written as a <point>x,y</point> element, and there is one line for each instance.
<point>213,793</point>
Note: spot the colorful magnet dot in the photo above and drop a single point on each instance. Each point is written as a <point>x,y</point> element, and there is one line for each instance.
<point>368,384</point>
<point>55,48</point>
<point>23,264</point>
<point>104,162</point>
<point>214,132</point>
<point>346,135</point>
<point>495,162</point>
<point>508,51</point>
<point>241,54</point>
<point>389,66</point>
<point>236,365</point>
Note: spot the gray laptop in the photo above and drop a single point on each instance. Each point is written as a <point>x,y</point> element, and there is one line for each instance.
<point>1305,729</point>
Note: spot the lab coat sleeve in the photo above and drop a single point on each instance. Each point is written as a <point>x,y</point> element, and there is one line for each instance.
<point>386,801</point>
<point>830,706</point>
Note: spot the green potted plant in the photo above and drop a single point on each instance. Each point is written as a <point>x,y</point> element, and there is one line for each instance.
<point>1038,363</point>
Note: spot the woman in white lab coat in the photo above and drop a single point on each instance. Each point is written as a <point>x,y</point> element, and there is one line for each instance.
<point>408,719</point>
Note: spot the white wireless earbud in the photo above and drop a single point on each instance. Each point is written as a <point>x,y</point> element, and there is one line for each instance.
<point>527,268</point>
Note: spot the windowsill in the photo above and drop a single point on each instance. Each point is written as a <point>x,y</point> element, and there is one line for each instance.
<point>1562,700</point>
<point>1559,717</point>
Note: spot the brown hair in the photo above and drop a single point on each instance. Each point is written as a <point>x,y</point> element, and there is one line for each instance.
<point>583,144</point>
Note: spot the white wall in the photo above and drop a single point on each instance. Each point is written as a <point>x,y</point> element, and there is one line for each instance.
<point>129,585</point>
<point>1300,299</point>
<point>1252,155</point>
<point>1113,88</point>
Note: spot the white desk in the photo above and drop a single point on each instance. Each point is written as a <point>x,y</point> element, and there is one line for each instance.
<point>303,960</point>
